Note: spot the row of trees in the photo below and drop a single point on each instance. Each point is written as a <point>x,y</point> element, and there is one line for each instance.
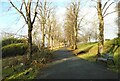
<point>48,25</point>
<point>73,23</point>
<point>41,21</point>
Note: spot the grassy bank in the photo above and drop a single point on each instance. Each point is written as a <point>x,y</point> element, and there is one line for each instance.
<point>88,51</point>
<point>15,64</point>
<point>18,68</point>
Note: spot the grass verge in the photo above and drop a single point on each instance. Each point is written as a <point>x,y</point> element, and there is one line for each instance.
<point>92,48</point>
<point>17,68</point>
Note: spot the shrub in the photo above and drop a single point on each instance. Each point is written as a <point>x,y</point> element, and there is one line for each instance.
<point>35,48</point>
<point>12,40</point>
<point>116,41</point>
<point>43,56</point>
<point>14,49</point>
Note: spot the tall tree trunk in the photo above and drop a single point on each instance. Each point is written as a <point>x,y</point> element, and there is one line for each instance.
<point>98,50</point>
<point>75,39</point>
<point>76,12</point>
<point>101,28</point>
<point>48,40</point>
<point>89,38</point>
<point>30,26</point>
<point>29,56</point>
<point>43,35</point>
<point>72,41</point>
<point>52,42</point>
<point>49,36</point>
<point>59,43</point>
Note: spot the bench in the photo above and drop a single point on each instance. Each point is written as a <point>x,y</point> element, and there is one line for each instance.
<point>105,58</point>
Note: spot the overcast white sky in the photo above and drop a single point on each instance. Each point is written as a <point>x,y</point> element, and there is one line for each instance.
<point>9,20</point>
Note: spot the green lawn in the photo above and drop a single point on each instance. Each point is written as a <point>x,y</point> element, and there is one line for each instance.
<point>91,53</point>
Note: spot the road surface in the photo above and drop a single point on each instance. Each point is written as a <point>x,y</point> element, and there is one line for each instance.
<point>68,66</point>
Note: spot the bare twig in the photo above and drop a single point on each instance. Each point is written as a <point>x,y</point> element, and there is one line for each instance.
<point>35,12</point>
<point>21,28</point>
<point>105,5</point>
<point>9,8</point>
<point>107,8</point>
<point>18,19</point>
<point>21,7</point>
<point>109,13</point>
<point>81,20</point>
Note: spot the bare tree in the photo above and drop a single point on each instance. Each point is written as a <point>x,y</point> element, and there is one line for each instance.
<point>28,20</point>
<point>101,24</point>
<point>45,10</point>
<point>102,13</point>
<point>50,27</point>
<point>54,31</point>
<point>72,23</point>
<point>49,31</point>
<point>69,32</point>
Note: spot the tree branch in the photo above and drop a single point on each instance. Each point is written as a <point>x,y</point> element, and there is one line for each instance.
<point>9,8</point>
<point>18,10</point>
<point>25,8</point>
<point>21,28</point>
<point>81,21</point>
<point>109,13</point>
<point>24,4</point>
<point>35,12</point>
<point>105,5</point>
<point>21,6</point>
<point>107,8</point>
<point>28,6</point>
<point>96,8</point>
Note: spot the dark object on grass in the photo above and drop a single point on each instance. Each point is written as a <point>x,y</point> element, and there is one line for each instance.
<point>84,51</point>
<point>27,73</point>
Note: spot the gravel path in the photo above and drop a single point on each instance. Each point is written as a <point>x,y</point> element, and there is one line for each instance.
<point>68,66</point>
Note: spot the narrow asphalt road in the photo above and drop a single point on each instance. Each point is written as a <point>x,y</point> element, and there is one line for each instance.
<point>68,66</point>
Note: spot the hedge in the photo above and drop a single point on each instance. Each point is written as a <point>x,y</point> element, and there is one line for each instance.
<point>14,49</point>
<point>12,40</point>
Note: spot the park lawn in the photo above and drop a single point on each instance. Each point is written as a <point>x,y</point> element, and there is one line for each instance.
<point>90,50</point>
<point>90,55</point>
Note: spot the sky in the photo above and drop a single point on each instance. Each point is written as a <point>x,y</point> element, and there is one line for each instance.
<point>11,22</point>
